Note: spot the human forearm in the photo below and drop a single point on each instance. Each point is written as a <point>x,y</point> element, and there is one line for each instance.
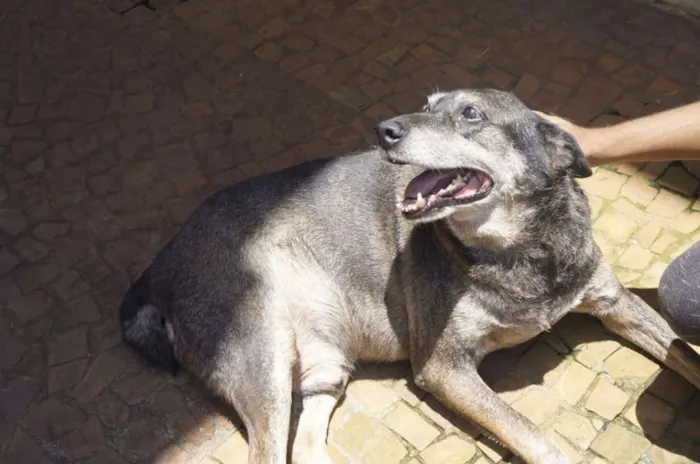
<point>669,135</point>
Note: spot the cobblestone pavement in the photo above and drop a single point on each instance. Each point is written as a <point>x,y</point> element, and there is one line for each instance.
<point>113,127</point>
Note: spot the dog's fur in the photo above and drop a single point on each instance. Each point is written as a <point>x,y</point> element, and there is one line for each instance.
<point>280,283</point>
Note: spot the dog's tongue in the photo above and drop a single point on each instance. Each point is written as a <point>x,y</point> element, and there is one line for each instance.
<point>471,188</point>
<point>429,181</point>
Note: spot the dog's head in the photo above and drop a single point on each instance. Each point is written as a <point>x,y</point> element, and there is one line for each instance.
<point>477,150</point>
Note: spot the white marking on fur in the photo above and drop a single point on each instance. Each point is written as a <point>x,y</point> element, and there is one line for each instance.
<point>310,441</point>
<point>141,326</point>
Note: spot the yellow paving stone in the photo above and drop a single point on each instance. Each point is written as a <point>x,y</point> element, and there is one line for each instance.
<point>383,447</point>
<point>648,233</point>
<point>629,366</point>
<point>374,397</point>
<point>411,426</point>
<point>624,207</point>
<point>574,383</point>
<point>451,450</point>
<point>628,169</point>
<point>336,456</point>
<point>346,407</point>
<point>565,446</point>
<point>598,461</point>
<point>677,251</point>
<point>604,183</point>
<point>686,223</point>
<point>511,387</point>
<point>619,445</point>
<point>651,415</point>
<point>671,387</point>
<point>482,460</point>
<point>652,275</point>
<point>606,400</point>
<point>598,424</point>
<point>626,276</point>
<point>595,352</point>
<point>408,391</point>
<point>615,226</point>
<point>638,191</point>
<point>596,205</point>
<point>576,428</point>
<point>635,257</point>
<point>235,449</point>
<point>542,360</point>
<point>445,418</point>
<point>658,455</point>
<point>609,249</point>
<point>538,405</point>
<point>491,449</point>
<point>353,435</point>
<point>662,242</point>
<point>667,205</point>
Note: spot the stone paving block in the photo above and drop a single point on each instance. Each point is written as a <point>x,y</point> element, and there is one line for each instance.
<point>671,387</point>
<point>491,449</point>
<point>604,183</point>
<point>374,397</point>
<point>383,446</point>
<point>615,226</point>
<point>667,205</point>
<point>629,366</point>
<point>651,415</point>
<point>596,352</point>
<point>606,400</point>
<point>565,446</point>
<point>574,383</point>
<point>538,405</point>
<point>411,426</point>
<point>576,428</point>
<point>678,179</point>
<point>619,445</point>
<point>635,257</point>
<point>451,450</point>
<point>235,449</point>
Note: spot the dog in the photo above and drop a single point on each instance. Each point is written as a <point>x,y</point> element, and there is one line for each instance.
<point>463,232</point>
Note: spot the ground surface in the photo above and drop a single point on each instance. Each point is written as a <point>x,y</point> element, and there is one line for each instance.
<point>114,127</point>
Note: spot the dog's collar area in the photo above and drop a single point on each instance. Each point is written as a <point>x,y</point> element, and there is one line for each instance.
<point>439,188</point>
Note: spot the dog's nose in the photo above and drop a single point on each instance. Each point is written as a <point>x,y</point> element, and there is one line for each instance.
<point>389,133</point>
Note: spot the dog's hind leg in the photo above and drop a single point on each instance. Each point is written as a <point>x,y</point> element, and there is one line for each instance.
<point>255,376</point>
<point>627,315</point>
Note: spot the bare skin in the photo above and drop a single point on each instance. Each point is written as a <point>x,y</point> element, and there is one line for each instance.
<point>665,136</point>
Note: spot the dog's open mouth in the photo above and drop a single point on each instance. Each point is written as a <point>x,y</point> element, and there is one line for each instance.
<point>439,188</point>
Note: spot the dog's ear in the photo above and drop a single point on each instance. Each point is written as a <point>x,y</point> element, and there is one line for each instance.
<point>563,151</point>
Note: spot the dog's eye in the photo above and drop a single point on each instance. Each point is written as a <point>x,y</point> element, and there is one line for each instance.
<point>471,114</point>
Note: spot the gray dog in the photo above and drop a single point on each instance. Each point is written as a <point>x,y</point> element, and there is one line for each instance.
<point>279,284</point>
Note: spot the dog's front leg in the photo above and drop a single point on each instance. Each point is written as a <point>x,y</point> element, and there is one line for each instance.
<point>461,388</point>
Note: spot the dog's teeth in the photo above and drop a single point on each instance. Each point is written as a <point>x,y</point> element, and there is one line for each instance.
<point>458,180</point>
<point>420,201</point>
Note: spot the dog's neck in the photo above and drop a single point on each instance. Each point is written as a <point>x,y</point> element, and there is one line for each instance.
<point>555,222</point>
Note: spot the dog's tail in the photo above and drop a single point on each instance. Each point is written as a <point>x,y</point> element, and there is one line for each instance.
<point>145,328</point>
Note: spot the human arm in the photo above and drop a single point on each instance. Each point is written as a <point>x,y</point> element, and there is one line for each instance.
<point>665,136</point>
